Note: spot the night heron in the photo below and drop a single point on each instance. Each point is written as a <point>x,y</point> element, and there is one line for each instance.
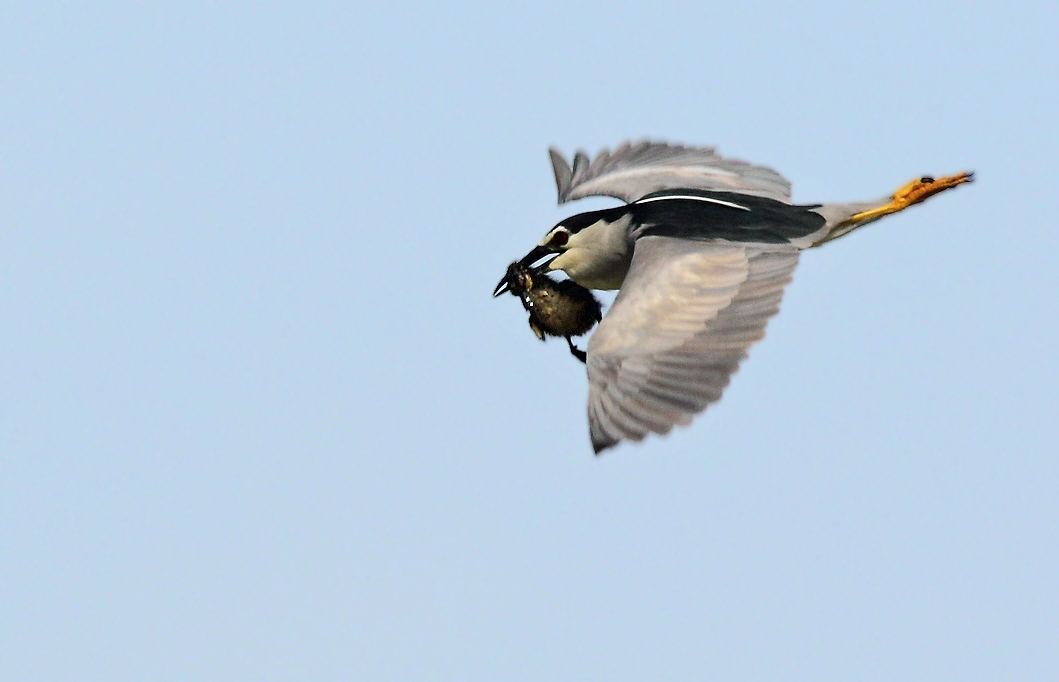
<point>700,251</point>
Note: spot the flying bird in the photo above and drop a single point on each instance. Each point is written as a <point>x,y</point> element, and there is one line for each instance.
<point>700,253</point>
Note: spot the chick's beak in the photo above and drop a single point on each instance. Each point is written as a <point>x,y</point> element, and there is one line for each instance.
<point>530,258</point>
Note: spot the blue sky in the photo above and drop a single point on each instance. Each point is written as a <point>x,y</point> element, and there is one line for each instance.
<point>260,418</point>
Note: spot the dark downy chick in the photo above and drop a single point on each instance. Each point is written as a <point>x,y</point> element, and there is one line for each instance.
<point>556,308</point>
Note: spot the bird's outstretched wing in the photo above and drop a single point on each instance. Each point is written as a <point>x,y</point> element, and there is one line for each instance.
<point>683,320</point>
<point>635,170</point>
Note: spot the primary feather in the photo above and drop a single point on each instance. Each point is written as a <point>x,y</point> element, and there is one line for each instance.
<point>681,324</point>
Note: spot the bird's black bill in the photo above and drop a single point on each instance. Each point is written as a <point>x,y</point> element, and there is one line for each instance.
<point>535,255</point>
<point>530,258</point>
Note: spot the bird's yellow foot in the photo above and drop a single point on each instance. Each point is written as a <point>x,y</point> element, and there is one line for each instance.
<point>913,193</point>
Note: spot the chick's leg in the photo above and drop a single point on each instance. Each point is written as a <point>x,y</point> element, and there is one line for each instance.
<point>577,352</point>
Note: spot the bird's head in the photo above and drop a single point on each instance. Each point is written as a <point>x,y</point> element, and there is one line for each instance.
<point>592,248</point>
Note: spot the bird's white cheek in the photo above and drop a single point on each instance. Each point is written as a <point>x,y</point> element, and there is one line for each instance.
<point>588,271</point>
<point>566,261</point>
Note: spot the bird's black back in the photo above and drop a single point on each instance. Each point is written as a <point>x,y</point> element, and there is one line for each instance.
<point>666,214</point>
<point>765,220</point>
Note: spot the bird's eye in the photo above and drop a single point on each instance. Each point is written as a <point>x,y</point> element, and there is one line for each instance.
<point>927,179</point>
<point>560,239</point>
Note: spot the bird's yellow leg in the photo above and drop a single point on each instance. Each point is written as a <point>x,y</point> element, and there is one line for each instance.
<point>913,193</point>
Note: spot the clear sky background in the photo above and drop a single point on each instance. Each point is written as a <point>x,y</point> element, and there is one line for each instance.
<point>261,419</point>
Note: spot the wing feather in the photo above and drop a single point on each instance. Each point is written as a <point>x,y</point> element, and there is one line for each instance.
<point>635,170</point>
<point>681,324</point>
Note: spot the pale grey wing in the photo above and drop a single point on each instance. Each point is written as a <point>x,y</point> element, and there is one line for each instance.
<point>682,322</point>
<point>636,170</point>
